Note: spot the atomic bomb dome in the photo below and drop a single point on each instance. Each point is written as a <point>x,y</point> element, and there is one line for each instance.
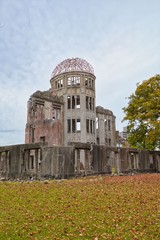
<point>67,112</point>
<point>72,64</point>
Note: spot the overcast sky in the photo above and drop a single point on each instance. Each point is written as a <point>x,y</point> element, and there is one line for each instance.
<point>119,38</point>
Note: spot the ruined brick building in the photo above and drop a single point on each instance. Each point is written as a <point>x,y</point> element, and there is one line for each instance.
<point>66,135</point>
<point>67,112</point>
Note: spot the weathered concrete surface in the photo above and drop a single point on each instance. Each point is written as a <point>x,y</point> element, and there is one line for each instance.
<point>38,161</point>
<point>124,160</point>
<point>57,162</point>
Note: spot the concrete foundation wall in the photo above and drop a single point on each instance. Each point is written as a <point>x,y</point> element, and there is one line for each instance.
<point>57,162</point>
<point>37,161</point>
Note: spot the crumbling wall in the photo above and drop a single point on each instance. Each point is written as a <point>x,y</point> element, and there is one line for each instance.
<point>38,161</point>
<point>104,159</point>
<point>44,119</point>
<point>57,162</point>
<point>20,161</point>
<point>124,160</point>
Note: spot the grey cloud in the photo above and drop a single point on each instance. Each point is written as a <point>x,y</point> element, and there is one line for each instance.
<point>121,41</point>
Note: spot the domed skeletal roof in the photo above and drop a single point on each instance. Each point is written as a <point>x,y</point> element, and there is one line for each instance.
<point>72,64</point>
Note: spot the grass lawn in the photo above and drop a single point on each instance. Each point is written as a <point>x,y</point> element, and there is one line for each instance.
<point>101,207</point>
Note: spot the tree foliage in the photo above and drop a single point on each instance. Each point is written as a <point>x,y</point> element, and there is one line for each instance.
<point>143,115</point>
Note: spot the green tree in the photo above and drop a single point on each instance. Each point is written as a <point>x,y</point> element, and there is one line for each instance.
<point>143,115</point>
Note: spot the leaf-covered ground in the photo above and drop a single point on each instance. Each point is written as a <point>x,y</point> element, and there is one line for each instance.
<point>101,207</point>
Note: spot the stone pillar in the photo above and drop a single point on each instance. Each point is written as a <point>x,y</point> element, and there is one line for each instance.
<point>101,131</point>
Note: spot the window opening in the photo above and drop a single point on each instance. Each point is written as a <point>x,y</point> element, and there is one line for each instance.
<point>97,123</point>
<point>91,129</point>
<point>55,114</point>
<point>93,126</point>
<point>86,81</point>
<point>42,139</point>
<point>77,80</point>
<point>87,125</point>
<point>69,125</point>
<point>90,82</point>
<point>59,83</point>
<point>86,102</point>
<point>73,125</point>
<point>69,102</point>
<point>78,101</point>
<point>90,103</point>
<point>78,154</point>
<point>69,81</point>
<point>74,80</point>
<point>73,102</point>
<point>78,125</point>
<point>31,162</point>
<point>109,124</point>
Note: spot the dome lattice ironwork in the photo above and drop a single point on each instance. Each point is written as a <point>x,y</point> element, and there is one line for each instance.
<point>72,64</point>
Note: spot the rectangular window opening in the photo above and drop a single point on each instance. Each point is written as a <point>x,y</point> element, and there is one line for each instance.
<point>78,125</point>
<point>73,125</point>
<point>90,82</point>
<point>86,81</point>
<point>69,125</point>
<point>78,101</point>
<point>74,80</point>
<point>77,80</point>
<point>90,103</point>
<point>87,102</point>
<point>78,154</point>
<point>97,123</point>
<point>91,127</point>
<point>31,162</point>
<point>59,83</point>
<point>69,79</point>
<point>73,102</point>
<point>69,102</point>
<point>109,124</point>
<point>87,125</point>
<point>42,139</point>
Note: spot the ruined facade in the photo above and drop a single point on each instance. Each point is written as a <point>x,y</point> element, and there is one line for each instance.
<point>44,119</point>
<point>38,161</point>
<point>67,112</point>
<point>66,135</point>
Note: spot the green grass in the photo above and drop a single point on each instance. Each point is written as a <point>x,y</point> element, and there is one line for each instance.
<point>102,207</point>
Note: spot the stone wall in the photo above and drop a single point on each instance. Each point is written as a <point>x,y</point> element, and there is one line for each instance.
<point>57,162</point>
<point>38,161</point>
<point>124,160</point>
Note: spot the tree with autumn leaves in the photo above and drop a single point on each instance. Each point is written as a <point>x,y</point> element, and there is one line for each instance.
<point>143,115</point>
